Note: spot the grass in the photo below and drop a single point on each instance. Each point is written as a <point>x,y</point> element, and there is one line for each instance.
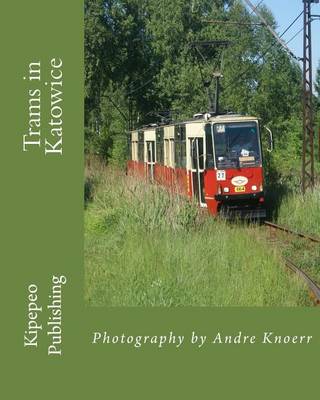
<point>145,246</point>
<point>302,213</point>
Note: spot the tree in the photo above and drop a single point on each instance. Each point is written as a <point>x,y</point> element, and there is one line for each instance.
<point>140,58</point>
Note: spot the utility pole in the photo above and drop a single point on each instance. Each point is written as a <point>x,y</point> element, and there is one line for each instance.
<point>308,177</point>
<point>218,76</point>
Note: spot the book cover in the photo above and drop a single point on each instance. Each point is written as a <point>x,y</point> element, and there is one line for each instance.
<point>145,145</point>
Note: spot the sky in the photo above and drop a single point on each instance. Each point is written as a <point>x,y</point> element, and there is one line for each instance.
<point>285,11</point>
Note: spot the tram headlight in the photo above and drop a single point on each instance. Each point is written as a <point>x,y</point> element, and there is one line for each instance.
<point>254,187</point>
<point>226,190</point>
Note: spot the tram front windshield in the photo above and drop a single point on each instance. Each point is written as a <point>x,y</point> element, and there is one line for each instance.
<point>237,145</point>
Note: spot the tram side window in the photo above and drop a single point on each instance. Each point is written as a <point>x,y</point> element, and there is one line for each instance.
<point>160,153</point>
<point>141,146</point>
<point>150,148</point>
<point>183,154</point>
<point>172,155</point>
<point>180,146</point>
<point>183,146</point>
<point>177,153</point>
<point>201,153</point>
<point>130,150</point>
<point>160,146</point>
<point>141,151</point>
<point>209,147</point>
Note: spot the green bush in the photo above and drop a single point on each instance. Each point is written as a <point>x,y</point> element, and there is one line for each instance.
<point>302,212</point>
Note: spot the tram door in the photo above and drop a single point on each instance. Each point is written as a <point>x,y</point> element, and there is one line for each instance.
<point>197,163</point>
<point>150,159</point>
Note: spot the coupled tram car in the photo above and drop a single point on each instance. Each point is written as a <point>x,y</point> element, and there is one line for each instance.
<point>215,159</point>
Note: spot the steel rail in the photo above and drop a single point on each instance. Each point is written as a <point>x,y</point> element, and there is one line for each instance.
<point>287,230</point>
<point>313,287</point>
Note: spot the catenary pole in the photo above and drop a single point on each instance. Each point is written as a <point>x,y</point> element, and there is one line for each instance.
<point>308,175</point>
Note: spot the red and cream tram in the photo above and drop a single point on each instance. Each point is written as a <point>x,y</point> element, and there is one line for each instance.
<point>217,160</point>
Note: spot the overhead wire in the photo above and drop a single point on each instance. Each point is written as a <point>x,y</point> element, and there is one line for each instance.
<point>294,36</point>
<point>297,33</point>
<point>257,6</point>
<point>271,30</point>
<point>140,87</point>
<point>205,83</point>
<point>116,106</point>
<point>132,83</point>
<point>292,23</point>
<point>251,12</point>
<point>134,90</point>
<point>267,51</point>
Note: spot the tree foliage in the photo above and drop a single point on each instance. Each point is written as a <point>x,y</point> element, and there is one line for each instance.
<point>140,59</point>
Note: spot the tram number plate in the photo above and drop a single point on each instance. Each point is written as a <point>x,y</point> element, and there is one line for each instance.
<point>221,175</point>
<point>240,189</point>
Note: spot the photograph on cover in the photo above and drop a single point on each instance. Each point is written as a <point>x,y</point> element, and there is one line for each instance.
<point>201,158</point>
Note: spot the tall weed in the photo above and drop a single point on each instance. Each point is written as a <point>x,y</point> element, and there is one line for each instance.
<point>148,246</point>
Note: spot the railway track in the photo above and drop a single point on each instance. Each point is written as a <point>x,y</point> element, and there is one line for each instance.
<point>313,287</point>
<point>295,233</point>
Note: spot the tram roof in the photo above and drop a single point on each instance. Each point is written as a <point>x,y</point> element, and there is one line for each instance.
<point>223,118</point>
